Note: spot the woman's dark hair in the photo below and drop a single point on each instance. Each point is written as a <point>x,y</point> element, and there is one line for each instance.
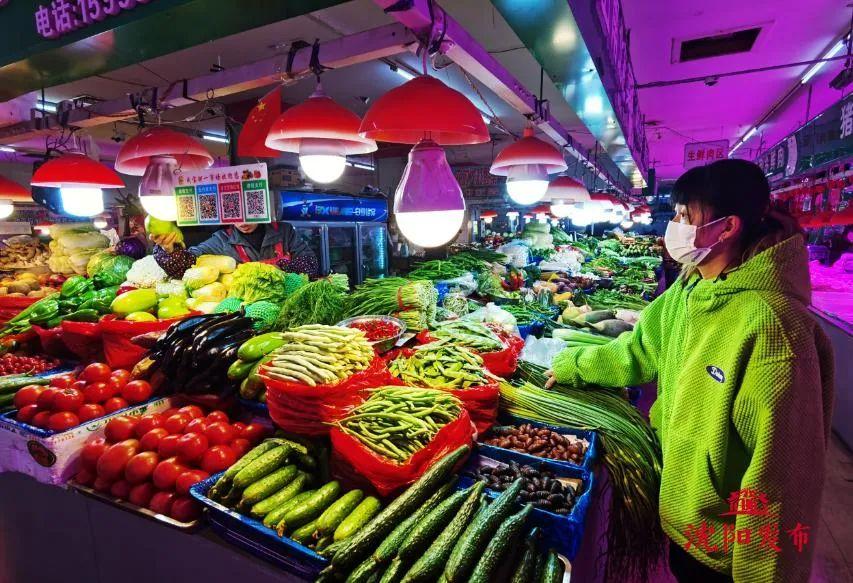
<point>736,188</point>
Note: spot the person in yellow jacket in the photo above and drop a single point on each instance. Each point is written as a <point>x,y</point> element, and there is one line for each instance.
<point>745,383</point>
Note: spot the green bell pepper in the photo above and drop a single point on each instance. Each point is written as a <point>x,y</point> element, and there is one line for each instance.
<point>100,300</point>
<point>75,286</point>
<point>46,311</point>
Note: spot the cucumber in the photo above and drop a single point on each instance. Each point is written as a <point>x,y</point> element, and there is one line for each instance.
<point>11,383</point>
<point>261,466</point>
<point>539,567</point>
<point>259,346</point>
<point>394,572</point>
<point>340,509</point>
<point>477,534</point>
<point>272,519</point>
<point>426,531</point>
<point>311,508</point>
<point>368,537</point>
<point>526,568</point>
<point>332,548</point>
<point>223,484</point>
<point>552,571</point>
<point>363,572</point>
<point>358,518</point>
<point>267,486</point>
<point>388,549</point>
<point>269,504</point>
<point>497,547</point>
<point>322,543</point>
<point>239,369</point>
<point>304,533</point>
<point>428,567</point>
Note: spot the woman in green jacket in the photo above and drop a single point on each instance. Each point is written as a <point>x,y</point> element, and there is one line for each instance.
<point>744,377</point>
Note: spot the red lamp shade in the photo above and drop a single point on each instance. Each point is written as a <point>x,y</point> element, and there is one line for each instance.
<point>10,190</point>
<point>488,215</point>
<point>529,150</point>
<point>318,123</point>
<point>75,169</point>
<point>542,209</point>
<point>424,107</point>
<point>567,189</point>
<point>136,154</point>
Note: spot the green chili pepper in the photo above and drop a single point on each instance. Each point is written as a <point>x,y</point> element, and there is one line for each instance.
<point>82,316</point>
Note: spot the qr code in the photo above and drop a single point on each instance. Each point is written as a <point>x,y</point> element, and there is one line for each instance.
<point>232,208</point>
<point>256,204</point>
<point>207,207</point>
<point>186,208</point>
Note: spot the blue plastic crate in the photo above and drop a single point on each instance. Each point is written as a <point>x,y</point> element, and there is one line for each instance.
<point>9,418</point>
<point>255,407</point>
<point>590,458</point>
<point>255,538</point>
<point>562,532</point>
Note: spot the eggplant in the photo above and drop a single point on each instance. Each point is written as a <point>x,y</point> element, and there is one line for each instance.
<point>220,330</point>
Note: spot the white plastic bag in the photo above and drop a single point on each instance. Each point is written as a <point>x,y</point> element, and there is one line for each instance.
<point>493,314</point>
<point>541,351</point>
<point>466,284</point>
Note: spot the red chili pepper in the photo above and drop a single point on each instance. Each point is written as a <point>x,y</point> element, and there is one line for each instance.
<point>376,329</point>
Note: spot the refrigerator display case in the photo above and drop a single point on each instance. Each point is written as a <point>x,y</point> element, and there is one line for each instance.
<point>349,234</point>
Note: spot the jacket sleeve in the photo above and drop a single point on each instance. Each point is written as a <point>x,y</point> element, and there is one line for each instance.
<point>630,359</point>
<point>217,244</point>
<point>781,414</point>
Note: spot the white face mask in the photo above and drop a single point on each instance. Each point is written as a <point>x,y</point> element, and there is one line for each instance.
<point>680,241</point>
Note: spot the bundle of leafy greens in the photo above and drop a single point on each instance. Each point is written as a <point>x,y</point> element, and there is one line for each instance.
<point>255,281</point>
<point>318,302</point>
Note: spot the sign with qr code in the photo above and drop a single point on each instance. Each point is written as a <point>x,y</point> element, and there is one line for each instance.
<point>223,196</point>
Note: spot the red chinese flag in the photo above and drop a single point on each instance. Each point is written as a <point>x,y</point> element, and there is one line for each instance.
<point>250,143</point>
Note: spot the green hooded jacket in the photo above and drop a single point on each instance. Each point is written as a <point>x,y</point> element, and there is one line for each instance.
<point>744,401</point>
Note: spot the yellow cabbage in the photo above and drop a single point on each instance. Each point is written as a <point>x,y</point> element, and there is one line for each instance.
<point>196,277</point>
<point>212,292</point>
<point>223,263</point>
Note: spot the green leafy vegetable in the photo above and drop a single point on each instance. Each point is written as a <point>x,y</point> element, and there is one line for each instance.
<point>255,281</point>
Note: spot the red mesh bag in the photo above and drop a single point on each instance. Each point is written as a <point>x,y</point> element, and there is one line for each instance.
<point>500,363</point>
<point>51,341</point>
<point>306,410</point>
<point>116,335</point>
<point>83,339</point>
<point>354,463</point>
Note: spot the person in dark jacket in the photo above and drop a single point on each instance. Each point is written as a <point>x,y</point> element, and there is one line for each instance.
<point>273,243</point>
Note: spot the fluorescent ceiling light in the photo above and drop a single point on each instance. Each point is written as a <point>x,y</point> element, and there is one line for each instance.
<point>7,149</point>
<point>403,73</point>
<point>215,138</point>
<point>46,106</point>
<point>361,165</point>
<point>745,139</point>
<point>836,48</point>
<point>593,105</point>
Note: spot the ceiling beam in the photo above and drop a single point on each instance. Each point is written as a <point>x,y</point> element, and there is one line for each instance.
<point>384,41</point>
<point>469,54</point>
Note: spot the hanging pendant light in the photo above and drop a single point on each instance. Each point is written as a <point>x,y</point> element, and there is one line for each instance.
<point>626,224</point>
<point>157,188</point>
<point>565,193</point>
<point>80,180</point>
<point>488,216</point>
<point>428,204</point>
<point>136,153</point>
<point>11,192</point>
<point>527,164</point>
<point>323,133</point>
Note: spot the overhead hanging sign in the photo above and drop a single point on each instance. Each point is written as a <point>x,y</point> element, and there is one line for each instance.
<point>224,196</point>
<point>824,140</point>
<point>701,153</point>
<point>62,17</point>
<point>316,206</point>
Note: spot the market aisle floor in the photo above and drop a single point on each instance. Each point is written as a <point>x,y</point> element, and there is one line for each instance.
<point>834,559</point>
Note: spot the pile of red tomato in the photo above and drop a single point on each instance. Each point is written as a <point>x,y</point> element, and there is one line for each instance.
<point>151,461</point>
<point>68,401</point>
<point>14,364</point>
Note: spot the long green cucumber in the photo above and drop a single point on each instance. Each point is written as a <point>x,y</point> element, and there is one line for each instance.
<point>272,519</point>
<point>239,369</point>
<point>11,383</point>
<point>267,486</point>
<point>269,504</point>
<point>356,519</point>
<point>426,531</point>
<point>363,572</point>
<point>505,536</point>
<point>311,508</point>
<point>363,542</point>
<point>304,533</point>
<point>261,466</point>
<point>428,567</point>
<point>526,568</point>
<point>388,549</point>
<point>223,484</point>
<point>394,572</point>
<point>552,571</point>
<point>335,514</point>
<point>332,548</point>
<point>477,535</point>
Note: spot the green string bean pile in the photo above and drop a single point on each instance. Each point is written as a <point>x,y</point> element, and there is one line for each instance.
<point>440,365</point>
<point>396,422</point>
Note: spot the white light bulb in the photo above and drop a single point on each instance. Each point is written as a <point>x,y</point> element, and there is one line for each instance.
<point>487,220</point>
<point>526,192</point>
<point>560,209</point>
<point>430,228</point>
<point>6,208</point>
<point>323,168</point>
<point>82,201</point>
<point>626,224</point>
<point>99,223</point>
<point>163,207</point>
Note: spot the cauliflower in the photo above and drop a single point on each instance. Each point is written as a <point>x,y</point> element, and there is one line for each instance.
<point>173,287</point>
<point>146,273</point>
